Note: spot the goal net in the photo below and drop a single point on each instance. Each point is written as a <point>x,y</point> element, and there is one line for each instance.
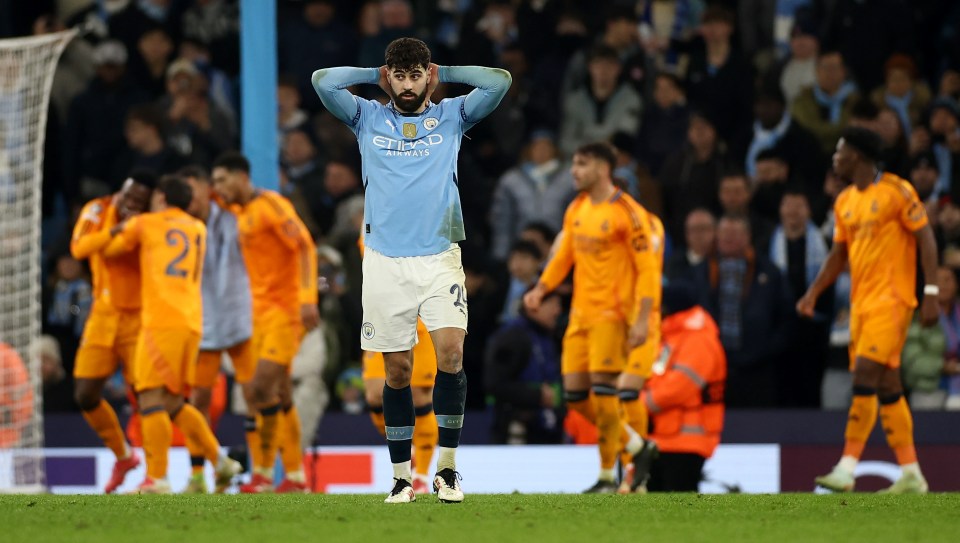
<point>26,75</point>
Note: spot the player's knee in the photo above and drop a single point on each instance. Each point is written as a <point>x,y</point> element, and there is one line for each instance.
<point>87,397</point>
<point>262,392</point>
<point>200,398</point>
<point>450,359</point>
<point>398,374</point>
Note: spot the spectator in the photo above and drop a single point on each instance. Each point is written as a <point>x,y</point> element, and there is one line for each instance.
<point>220,87</point>
<point>524,266</point>
<point>315,40</point>
<point>949,86</point>
<point>627,172</point>
<point>824,109</point>
<point>690,177</point>
<point>950,325</point>
<point>340,183</point>
<point>894,153</point>
<point>798,250</point>
<point>540,234</point>
<point>522,374</point>
<point>597,111</point>
<point>301,205</point>
<point>928,352</point>
<point>305,172</point>
<point>799,70</point>
<point>769,185</point>
<point>487,293</point>
<point>537,190</point>
<point>948,232</point>
<point>923,175</point>
<point>720,80</point>
<point>766,28</point>
<point>289,114</point>
<point>56,396</point>
<point>146,147</point>
<point>944,135</point>
<point>774,127</point>
<point>506,127</point>
<point>667,28</point>
<point>734,196</point>
<point>389,20</point>
<point>95,126</point>
<point>143,16</point>
<point>149,67</point>
<point>750,301</point>
<point>196,128</point>
<point>310,393</point>
<point>700,231</point>
<point>620,34</point>
<point>216,25</point>
<point>664,125</point>
<point>902,92</point>
<point>67,304</point>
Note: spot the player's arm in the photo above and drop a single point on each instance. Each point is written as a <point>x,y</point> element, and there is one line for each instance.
<point>648,280</point>
<point>294,235</point>
<point>331,86</point>
<point>491,85</point>
<point>125,238</point>
<point>555,272</point>
<point>832,267</point>
<point>915,219</point>
<point>92,231</point>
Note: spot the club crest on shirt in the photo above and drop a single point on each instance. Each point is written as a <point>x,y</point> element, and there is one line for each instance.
<point>430,123</point>
<point>409,130</point>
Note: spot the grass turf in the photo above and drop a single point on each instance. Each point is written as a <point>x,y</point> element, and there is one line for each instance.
<point>534,518</point>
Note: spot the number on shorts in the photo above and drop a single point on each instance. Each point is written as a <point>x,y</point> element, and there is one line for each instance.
<point>461,294</point>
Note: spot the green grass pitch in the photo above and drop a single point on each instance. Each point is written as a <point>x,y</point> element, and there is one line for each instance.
<point>533,518</point>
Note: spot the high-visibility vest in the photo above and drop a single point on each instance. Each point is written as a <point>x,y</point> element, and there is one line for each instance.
<point>685,394</point>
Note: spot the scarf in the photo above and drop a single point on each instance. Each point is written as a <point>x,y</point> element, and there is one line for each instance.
<point>834,103</point>
<point>732,275</point>
<point>945,164</point>
<point>816,251</point>
<point>764,139</point>
<point>901,106</point>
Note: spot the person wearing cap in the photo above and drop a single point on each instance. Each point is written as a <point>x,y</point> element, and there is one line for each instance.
<point>685,397</point>
<point>538,189</point>
<point>881,226</point>
<point>95,122</point>
<point>198,128</point>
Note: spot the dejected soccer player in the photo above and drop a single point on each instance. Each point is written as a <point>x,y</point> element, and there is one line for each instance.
<point>412,223</point>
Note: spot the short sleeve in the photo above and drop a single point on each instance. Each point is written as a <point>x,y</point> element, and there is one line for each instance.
<point>912,213</point>
<point>365,109</point>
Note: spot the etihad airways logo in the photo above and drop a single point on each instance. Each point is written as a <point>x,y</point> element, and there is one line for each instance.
<point>420,147</point>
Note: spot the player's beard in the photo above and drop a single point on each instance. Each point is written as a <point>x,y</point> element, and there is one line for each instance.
<point>409,102</point>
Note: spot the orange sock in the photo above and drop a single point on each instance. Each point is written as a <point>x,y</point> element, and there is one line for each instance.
<point>897,424</point>
<point>426,434</point>
<point>376,417</point>
<point>607,407</point>
<point>860,421</point>
<point>635,413</point>
<point>251,429</point>
<point>103,420</point>
<point>196,454</point>
<point>157,436</point>
<point>290,436</point>
<point>269,426</point>
<point>194,426</point>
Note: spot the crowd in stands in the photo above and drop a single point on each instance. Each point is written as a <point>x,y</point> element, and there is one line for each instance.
<point>724,115</point>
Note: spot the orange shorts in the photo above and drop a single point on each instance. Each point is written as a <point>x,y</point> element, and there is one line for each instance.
<point>276,338</point>
<point>640,360</point>
<point>596,348</point>
<point>165,358</point>
<point>109,338</point>
<point>208,365</point>
<point>424,361</point>
<point>879,334</point>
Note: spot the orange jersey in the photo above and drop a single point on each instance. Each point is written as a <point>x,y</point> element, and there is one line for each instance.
<point>279,254</point>
<point>116,281</point>
<point>171,246</point>
<point>609,246</point>
<point>657,245</point>
<point>878,226</point>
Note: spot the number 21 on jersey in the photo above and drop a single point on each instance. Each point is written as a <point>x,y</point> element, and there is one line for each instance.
<point>179,239</point>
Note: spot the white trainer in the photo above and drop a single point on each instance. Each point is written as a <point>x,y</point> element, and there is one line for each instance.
<point>838,480</point>
<point>402,492</point>
<point>446,483</point>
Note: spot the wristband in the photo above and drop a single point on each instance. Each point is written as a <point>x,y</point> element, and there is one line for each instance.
<point>931,290</point>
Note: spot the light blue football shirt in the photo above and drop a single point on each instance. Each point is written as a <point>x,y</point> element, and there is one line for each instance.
<point>412,202</point>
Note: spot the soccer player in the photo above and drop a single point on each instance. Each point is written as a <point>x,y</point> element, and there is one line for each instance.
<point>227,312</point>
<point>425,429</point>
<point>607,240</point>
<point>412,223</point>
<point>281,263</point>
<point>880,222</point>
<point>110,333</point>
<point>169,244</point>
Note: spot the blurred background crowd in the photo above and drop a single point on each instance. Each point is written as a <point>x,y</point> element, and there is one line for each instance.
<point>724,115</point>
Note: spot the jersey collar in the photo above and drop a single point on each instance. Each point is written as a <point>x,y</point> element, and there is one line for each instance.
<point>402,114</point>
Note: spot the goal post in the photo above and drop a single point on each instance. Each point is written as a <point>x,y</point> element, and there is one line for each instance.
<point>27,66</point>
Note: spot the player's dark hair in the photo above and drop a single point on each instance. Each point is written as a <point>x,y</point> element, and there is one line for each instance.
<point>233,161</point>
<point>195,171</point>
<point>600,150</point>
<point>543,229</point>
<point>142,176</point>
<point>176,190</point>
<point>407,54</point>
<point>864,141</point>
<point>524,247</point>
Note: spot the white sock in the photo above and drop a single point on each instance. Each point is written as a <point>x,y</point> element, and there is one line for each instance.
<point>607,475</point>
<point>912,468</point>
<point>297,476</point>
<point>126,451</point>
<point>634,441</point>
<point>422,477</point>
<point>447,458</point>
<point>402,471</point>
<point>848,464</point>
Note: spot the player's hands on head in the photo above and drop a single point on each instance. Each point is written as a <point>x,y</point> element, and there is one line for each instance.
<point>434,79</point>
<point>384,82</point>
<point>638,334</point>
<point>310,315</point>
